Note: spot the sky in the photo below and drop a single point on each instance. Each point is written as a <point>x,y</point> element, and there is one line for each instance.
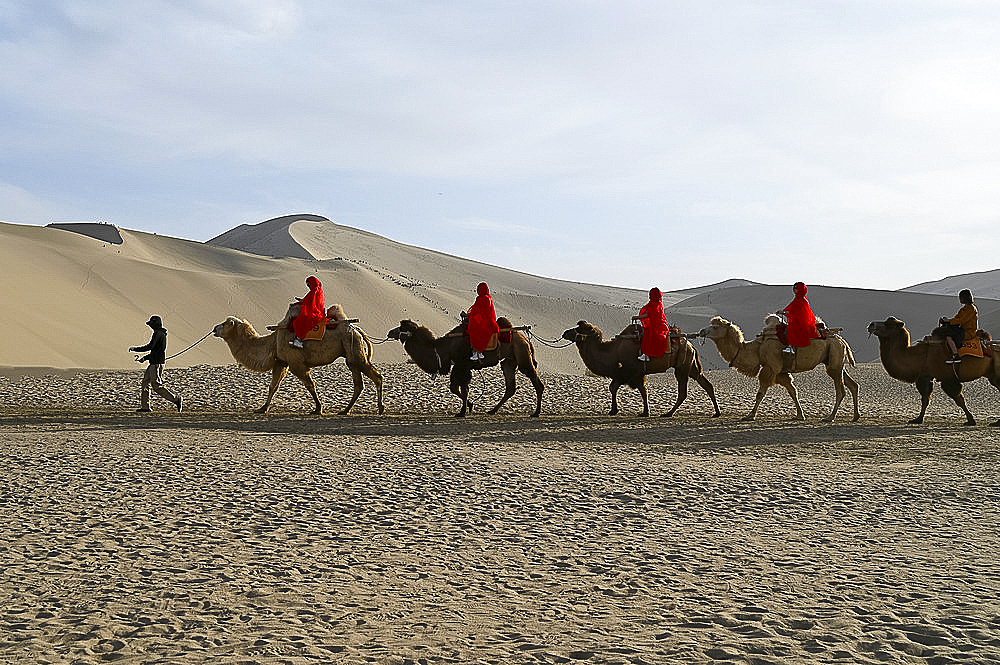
<point>667,143</point>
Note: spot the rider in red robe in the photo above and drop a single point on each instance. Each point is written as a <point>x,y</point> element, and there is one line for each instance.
<point>656,333</point>
<point>801,320</point>
<point>312,311</point>
<point>482,321</point>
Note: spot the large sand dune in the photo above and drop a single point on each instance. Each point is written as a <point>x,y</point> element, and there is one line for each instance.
<point>78,295</point>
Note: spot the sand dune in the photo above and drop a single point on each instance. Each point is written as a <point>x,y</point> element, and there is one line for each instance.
<point>78,295</point>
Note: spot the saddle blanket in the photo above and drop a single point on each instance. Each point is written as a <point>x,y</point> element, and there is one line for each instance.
<point>971,347</point>
<point>317,330</point>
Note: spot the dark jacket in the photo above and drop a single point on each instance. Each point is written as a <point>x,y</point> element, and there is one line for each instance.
<point>157,348</point>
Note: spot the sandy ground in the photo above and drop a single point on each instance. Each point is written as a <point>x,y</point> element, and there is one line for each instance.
<point>218,535</point>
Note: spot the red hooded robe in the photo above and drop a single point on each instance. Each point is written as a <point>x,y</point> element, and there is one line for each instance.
<point>313,309</point>
<point>482,319</point>
<point>801,320</point>
<point>656,334</point>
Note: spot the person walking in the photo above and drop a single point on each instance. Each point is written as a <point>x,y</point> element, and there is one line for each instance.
<point>153,377</point>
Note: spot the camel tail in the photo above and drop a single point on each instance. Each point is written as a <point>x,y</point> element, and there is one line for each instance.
<point>369,348</point>
<point>850,353</point>
<point>696,365</point>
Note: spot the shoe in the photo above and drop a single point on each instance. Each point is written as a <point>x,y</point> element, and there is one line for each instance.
<point>145,410</point>
<point>180,401</point>
<point>643,357</point>
<point>788,349</point>
<point>297,343</point>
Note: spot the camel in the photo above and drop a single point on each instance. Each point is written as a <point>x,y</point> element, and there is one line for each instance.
<point>762,358</point>
<point>272,353</point>
<point>618,360</point>
<point>450,354</point>
<point>924,362</point>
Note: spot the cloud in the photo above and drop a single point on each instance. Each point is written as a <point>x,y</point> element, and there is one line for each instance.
<point>775,121</point>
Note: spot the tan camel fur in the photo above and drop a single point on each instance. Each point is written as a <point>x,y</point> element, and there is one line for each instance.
<point>762,358</point>
<point>924,362</point>
<point>272,353</point>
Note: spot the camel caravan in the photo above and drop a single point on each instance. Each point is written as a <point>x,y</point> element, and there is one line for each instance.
<point>791,341</point>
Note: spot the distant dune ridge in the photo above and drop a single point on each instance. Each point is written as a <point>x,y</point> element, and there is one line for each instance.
<point>78,295</point>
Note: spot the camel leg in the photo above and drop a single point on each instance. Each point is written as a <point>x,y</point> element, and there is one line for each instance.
<point>375,377</point>
<point>996,384</point>
<point>852,385</point>
<point>682,391</point>
<point>765,380</point>
<point>277,375</point>
<point>615,385</point>
<point>461,377</point>
<point>359,386</point>
<point>645,397</point>
<point>953,389</point>
<point>785,379</point>
<point>838,385</point>
<point>509,368</point>
<point>925,387</point>
<point>529,370</point>
<point>710,390</point>
<point>303,375</point>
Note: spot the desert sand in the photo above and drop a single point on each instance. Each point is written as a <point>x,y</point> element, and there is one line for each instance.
<point>219,535</point>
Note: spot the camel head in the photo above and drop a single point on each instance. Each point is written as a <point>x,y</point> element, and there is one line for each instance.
<point>233,327</point>
<point>420,343</point>
<point>408,329</point>
<point>582,331</point>
<point>719,329</point>
<point>891,327</point>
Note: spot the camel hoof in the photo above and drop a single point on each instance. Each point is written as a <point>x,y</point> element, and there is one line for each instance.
<point>718,414</point>
<point>262,409</point>
<point>970,423</point>
<point>538,413</point>
<point>381,410</point>
<point>666,415</point>
<point>916,421</point>
<point>856,418</point>
<point>344,412</point>
<point>995,423</point>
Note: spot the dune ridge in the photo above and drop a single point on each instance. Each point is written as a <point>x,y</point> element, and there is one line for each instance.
<point>78,299</point>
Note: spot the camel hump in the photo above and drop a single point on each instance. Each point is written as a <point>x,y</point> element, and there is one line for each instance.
<point>335,312</point>
<point>506,334</point>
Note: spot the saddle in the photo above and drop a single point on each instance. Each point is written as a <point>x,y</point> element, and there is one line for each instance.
<point>982,346</point>
<point>506,330</point>
<point>781,330</point>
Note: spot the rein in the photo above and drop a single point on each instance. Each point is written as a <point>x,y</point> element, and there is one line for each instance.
<point>190,347</point>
